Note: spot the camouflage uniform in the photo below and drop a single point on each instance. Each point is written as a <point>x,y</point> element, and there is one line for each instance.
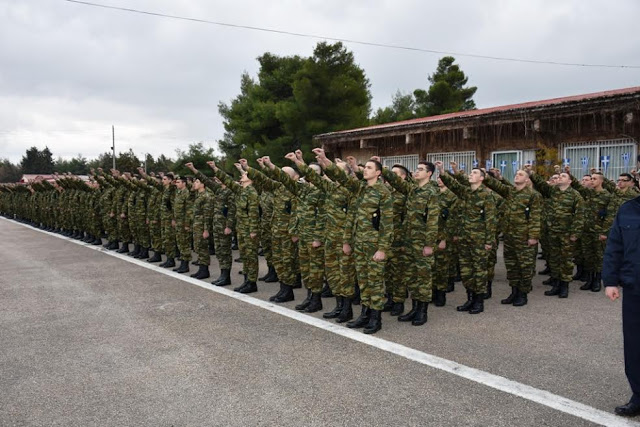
<point>166,215</point>
<point>247,222</point>
<point>522,210</point>
<point>183,215</point>
<point>371,230</point>
<point>477,228</point>
<point>202,212</point>
<point>446,231</point>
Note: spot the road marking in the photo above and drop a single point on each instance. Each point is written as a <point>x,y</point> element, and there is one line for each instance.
<point>497,382</point>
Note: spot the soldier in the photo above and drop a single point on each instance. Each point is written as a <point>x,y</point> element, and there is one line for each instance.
<point>444,255</point>
<point>166,218</point>
<point>477,233</point>
<point>182,218</point>
<point>223,222</point>
<point>521,227</point>
<point>202,211</point>
<point>247,222</point>
<point>266,216</point>
<point>370,237</point>
<point>420,238</point>
<point>565,223</point>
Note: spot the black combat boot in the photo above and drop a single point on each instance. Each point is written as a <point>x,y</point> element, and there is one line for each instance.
<point>489,293</point>
<point>451,284</point>
<point>510,298</point>
<point>287,294</point>
<point>243,285</point>
<point>305,303</point>
<point>467,305</point>
<point>224,279</point>
<point>273,297</point>
<point>171,262</point>
<point>144,253</point>
<point>124,249</point>
<point>272,276</point>
<point>183,268</point>
<point>195,275</point>
<point>347,311</point>
<point>315,304</point>
<point>375,322</point>
<point>408,317</point>
<point>202,273</point>
<point>597,282</point>
<point>397,309</point>
<point>579,272</point>
<point>547,270</point>
<point>589,283</point>
<point>421,314</point>
<point>439,298</point>
<point>336,311</point>
<point>326,291</point>
<point>113,246</point>
<point>136,250</point>
<point>389,304</point>
<point>249,288</point>
<point>563,290</point>
<point>555,290</point>
<point>362,320</point>
<point>96,241</point>
<point>298,282</point>
<point>478,304</point>
<point>520,299</point>
<point>155,258</point>
<point>270,267</point>
<point>550,281</point>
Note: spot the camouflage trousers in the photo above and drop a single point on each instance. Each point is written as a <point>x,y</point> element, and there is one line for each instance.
<point>454,257</point>
<point>183,239</point>
<point>397,276</point>
<point>441,268</point>
<point>474,260</point>
<point>168,238</point>
<point>370,275</point>
<point>201,245</point>
<point>265,241</point>
<point>223,249</point>
<point>594,252</point>
<point>284,257</point>
<point>580,249</point>
<point>311,265</point>
<point>561,250</point>
<point>124,232</point>
<point>338,267</point>
<point>544,240</point>
<point>420,269</point>
<point>520,262</point>
<point>249,254</point>
<point>155,235</point>
<point>143,234</point>
<point>110,227</point>
<point>492,260</point>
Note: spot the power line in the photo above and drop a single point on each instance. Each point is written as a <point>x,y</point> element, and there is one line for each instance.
<point>313,36</point>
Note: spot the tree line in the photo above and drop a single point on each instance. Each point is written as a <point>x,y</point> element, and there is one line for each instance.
<point>291,99</point>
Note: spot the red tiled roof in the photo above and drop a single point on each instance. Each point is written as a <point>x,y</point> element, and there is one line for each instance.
<point>484,111</point>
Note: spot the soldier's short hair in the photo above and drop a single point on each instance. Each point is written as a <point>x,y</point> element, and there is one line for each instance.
<point>377,163</point>
<point>399,166</point>
<point>483,173</point>
<point>170,175</point>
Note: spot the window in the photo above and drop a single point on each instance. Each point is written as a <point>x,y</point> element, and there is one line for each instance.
<point>410,161</point>
<point>508,162</point>
<point>464,159</point>
<point>612,157</point>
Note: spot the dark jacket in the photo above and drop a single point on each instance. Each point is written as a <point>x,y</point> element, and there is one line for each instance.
<point>622,256</point>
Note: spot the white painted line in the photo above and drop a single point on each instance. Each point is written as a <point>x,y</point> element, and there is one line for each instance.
<point>497,382</point>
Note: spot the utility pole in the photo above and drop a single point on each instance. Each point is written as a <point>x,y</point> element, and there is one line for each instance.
<point>113,146</point>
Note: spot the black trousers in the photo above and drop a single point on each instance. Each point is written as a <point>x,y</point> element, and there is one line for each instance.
<point>631,333</point>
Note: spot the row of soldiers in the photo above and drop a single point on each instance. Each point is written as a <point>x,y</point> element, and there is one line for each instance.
<point>364,231</point>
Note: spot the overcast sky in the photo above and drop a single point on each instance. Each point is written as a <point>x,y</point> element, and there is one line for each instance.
<point>70,71</point>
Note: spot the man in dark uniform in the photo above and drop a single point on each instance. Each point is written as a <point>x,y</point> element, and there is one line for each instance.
<point>621,267</point>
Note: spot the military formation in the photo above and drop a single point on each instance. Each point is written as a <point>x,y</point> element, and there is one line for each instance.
<point>364,234</point>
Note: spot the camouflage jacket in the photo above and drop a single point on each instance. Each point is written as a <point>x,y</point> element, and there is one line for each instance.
<point>564,211</point>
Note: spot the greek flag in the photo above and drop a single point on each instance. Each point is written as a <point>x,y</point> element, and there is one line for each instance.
<point>462,166</point>
<point>605,160</point>
<point>503,165</point>
<point>566,162</point>
<point>475,163</point>
<point>625,159</point>
<point>585,164</point>
<point>488,164</point>
<point>514,166</point>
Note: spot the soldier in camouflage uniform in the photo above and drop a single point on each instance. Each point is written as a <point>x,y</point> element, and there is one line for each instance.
<point>166,218</point>
<point>420,236</point>
<point>202,211</point>
<point>266,217</point>
<point>223,222</point>
<point>522,210</point>
<point>152,216</point>
<point>182,218</point>
<point>370,236</point>
<point>477,233</point>
<point>597,223</point>
<point>564,224</point>
<point>338,267</point>
<point>444,256</point>
<point>247,222</point>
